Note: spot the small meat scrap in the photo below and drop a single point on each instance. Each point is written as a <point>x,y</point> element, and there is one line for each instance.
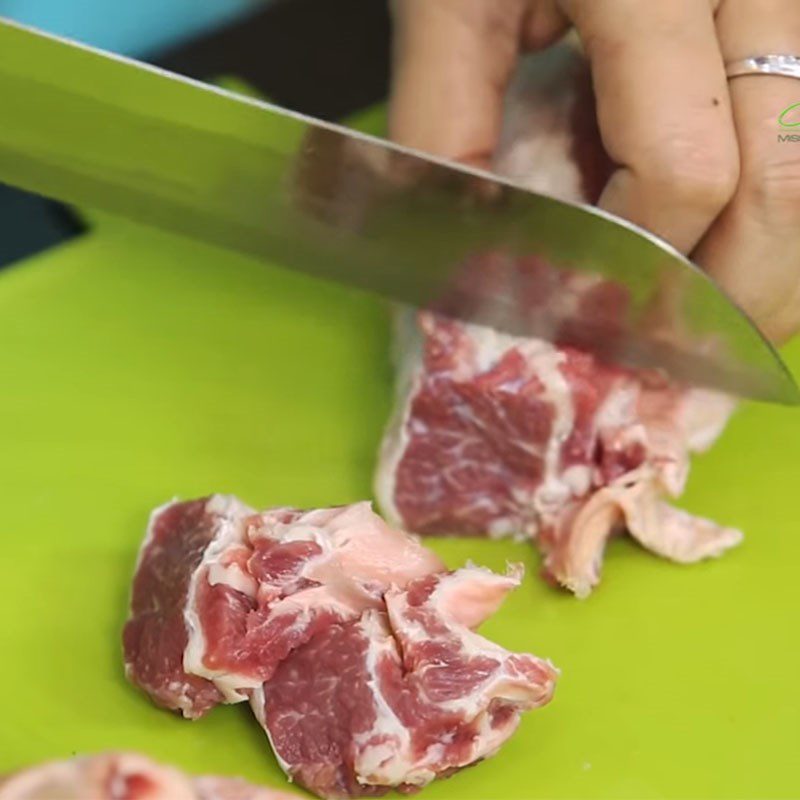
<point>124,776</point>
<point>353,644</point>
<point>497,435</point>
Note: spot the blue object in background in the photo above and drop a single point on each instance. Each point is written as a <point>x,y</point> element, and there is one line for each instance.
<point>136,27</point>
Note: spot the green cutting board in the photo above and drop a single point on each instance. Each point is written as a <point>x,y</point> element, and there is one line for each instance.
<point>138,366</point>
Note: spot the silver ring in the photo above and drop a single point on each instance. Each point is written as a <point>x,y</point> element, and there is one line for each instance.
<point>786,65</point>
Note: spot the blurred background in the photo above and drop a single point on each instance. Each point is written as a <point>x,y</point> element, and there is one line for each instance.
<point>329,58</point>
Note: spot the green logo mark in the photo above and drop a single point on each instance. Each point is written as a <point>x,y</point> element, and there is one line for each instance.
<point>786,114</point>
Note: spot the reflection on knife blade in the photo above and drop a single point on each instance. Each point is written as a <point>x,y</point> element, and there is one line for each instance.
<point>229,170</point>
<point>642,310</point>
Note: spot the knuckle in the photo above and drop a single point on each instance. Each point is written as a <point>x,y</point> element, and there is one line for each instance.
<point>698,173</point>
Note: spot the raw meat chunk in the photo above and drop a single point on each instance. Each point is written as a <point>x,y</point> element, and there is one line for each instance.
<point>124,776</point>
<point>222,594</point>
<point>178,539</point>
<point>354,646</point>
<point>499,436</point>
<point>398,697</point>
<point>495,435</point>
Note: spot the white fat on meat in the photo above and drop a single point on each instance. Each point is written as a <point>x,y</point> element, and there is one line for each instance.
<point>217,567</point>
<point>575,558</point>
<point>357,547</point>
<point>669,424</point>
<point>470,596</point>
<point>407,361</point>
<point>382,753</point>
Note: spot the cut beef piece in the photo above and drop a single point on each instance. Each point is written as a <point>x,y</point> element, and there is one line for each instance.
<point>401,696</point>
<point>288,575</point>
<point>355,647</point>
<point>222,594</point>
<point>124,776</point>
<point>501,436</point>
<point>179,538</point>
<point>495,435</point>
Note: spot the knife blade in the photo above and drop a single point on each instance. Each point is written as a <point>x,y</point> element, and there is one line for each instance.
<point>95,129</point>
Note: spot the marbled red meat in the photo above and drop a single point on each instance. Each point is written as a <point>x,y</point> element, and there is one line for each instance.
<point>156,636</point>
<point>222,594</point>
<point>403,695</point>
<point>124,776</point>
<point>353,644</point>
<point>495,435</point>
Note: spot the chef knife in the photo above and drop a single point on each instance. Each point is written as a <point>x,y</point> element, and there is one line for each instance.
<point>95,129</point>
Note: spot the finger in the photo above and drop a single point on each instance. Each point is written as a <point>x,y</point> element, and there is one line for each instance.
<point>663,111</point>
<point>544,23</point>
<point>452,62</point>
<point>754,248</point>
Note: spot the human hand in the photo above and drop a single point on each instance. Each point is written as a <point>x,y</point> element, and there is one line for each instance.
<point>698,158</point>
